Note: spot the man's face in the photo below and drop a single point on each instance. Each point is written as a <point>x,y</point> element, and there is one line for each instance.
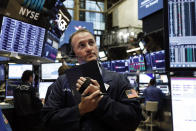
<point>84,47</point>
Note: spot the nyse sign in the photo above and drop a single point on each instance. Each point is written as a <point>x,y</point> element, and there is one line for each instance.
<point>29,13</point>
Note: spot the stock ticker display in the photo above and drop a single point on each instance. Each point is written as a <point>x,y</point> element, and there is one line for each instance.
<point>137,63</point>
<point>21,37</point>
<point>182,33</point>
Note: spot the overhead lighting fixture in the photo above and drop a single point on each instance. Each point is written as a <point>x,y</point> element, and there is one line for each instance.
<point>132,50</point>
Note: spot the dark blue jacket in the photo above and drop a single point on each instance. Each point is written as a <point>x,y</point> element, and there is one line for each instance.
<point>152,93</point>
<point>115,111</point>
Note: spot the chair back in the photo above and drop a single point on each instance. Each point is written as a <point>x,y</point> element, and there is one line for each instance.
<point>152,106</point>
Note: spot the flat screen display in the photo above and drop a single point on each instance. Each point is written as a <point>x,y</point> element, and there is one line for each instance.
<point>4,58</point>
<point>163,88</point>
<point>158,60</point>
<point>21,37</point>
<point>50,71</point>
<point>120,65</point>
<point>132,79</point>
<point>142,87</point>
<point>145,78</point>
<point>107,65</point>
<point>49,52</point>
<point>147,7</point>
<point>43,87</point>
<point>183,93</point>
<point>182,33</point>
<point>161,79</point>
<point>2,72</point>
<point>136,63</point>
<point>10,86</point>
<point>15,70</point>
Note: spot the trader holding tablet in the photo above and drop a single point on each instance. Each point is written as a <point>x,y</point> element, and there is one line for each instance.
<point>98,109</point>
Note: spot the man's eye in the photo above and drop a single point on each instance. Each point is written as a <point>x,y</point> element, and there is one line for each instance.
<point>91,42</point>
<point>82,45</point>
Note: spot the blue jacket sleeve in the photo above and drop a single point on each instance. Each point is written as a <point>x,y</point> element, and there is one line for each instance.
<point>119,112</point>
<point>56,109</point>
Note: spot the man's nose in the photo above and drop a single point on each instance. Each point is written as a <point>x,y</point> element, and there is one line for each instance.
<point>88,47</point>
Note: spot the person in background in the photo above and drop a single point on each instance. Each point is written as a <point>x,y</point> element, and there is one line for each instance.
<point>94,112</point>
<point>27,105</point>
<point>61,71</point>
<point>152,93</point>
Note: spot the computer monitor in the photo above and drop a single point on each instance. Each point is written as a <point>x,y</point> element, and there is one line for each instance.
<point>158,60</point>
<point>21,37</point>
<point>43,87</point>
<point>136,63</point>
<point>145,77</point>
<point>142,87</point>
<point>49,52</point>
<point>15,70</point>
<point>161,78</point>
<point>2,72</point>
<point>120,65</point>
<point>164,88</point>
<point>183,94</point>
<point>49,71</point>
<point>181,34</point>
<point>132,79</point>
<point>10,87</point>
<point>107,65</point>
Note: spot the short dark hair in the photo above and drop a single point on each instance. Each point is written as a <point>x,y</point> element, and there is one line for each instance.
<point>26,75</point>
<point>62,69</point>
<point>79,31</point>
<point>152,82</point>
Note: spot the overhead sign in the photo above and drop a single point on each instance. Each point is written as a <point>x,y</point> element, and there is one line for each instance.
<point>73,27</point>
<point>147,7</point>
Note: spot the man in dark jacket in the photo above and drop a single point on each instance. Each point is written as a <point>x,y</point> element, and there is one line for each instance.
<point>27,104</point>
<point>94,112</point>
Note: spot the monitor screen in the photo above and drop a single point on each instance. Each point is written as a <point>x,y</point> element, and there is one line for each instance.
<point>107,65</point>
<point>21,37</point>
<point>43,87</point>
<point>158,60</point>
<point>164,88</point>
<point>137,63</point>
<point>120,66</point>
<point>10,86</point>
<point>145,78</point>
<point>4,58</point>
<point>49,52</point>
<point>132,79</point>
<point>102,54</point>
<point>161,78</point>
<point>147,7</point>
<point>142,87</point>
<point>183,94</point>
<point>50,71</point>
<point>2,72</point>
<point>182,34</point>
<point>15,70</point>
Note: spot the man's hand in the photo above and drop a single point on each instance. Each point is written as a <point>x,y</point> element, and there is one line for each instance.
<point>91,96</point>
<point>93,87</point>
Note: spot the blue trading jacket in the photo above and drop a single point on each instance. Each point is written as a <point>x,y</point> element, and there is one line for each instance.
<point>114,112</point>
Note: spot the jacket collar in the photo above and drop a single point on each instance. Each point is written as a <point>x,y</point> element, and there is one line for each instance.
<point>106,75</point>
